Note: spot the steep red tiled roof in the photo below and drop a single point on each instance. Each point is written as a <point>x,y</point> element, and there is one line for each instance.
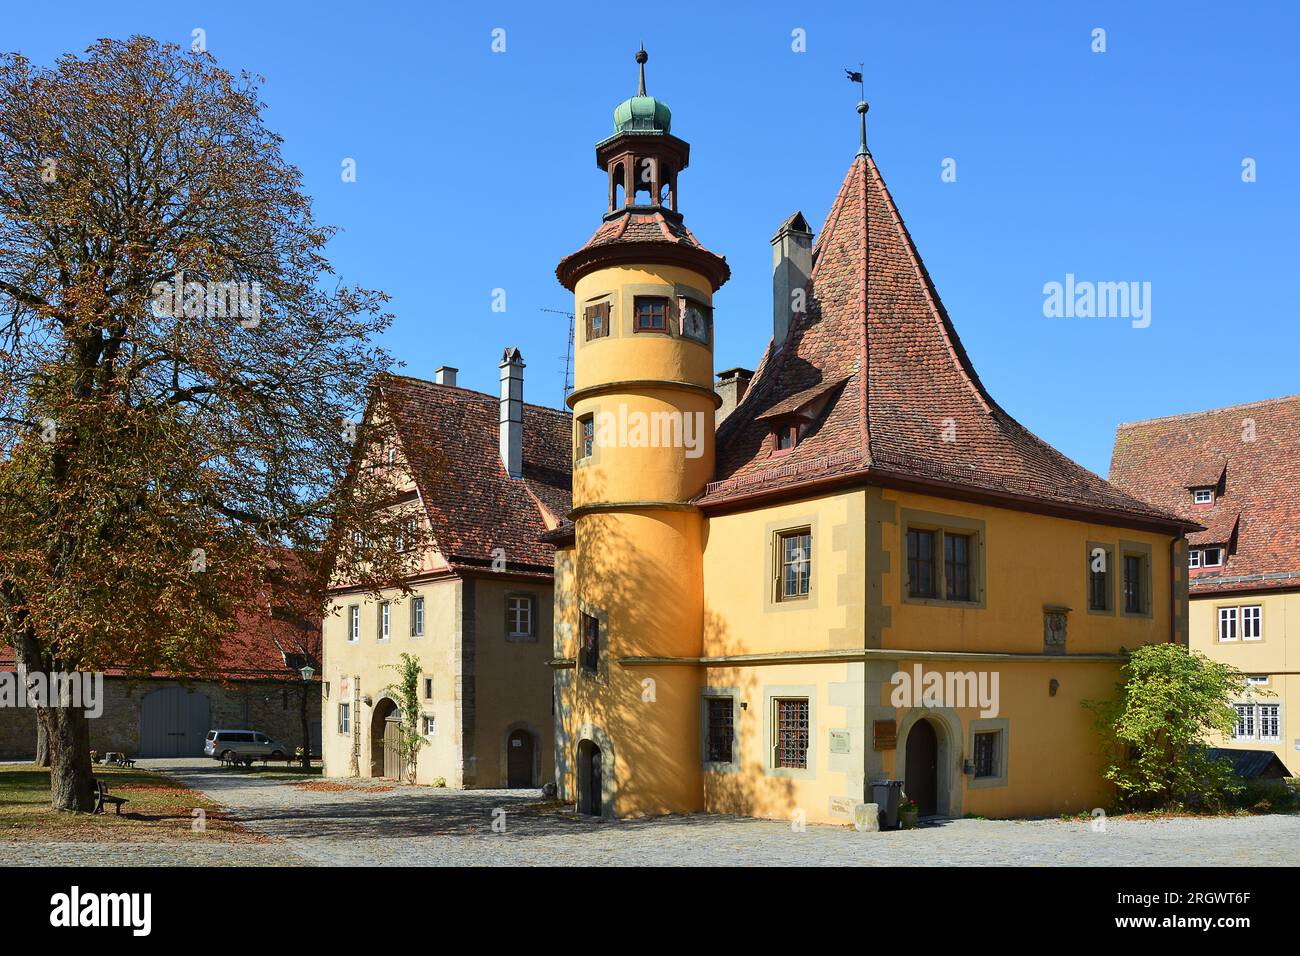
<point>449,437</point>
<point>912,405</point>
<point>1161,458</point>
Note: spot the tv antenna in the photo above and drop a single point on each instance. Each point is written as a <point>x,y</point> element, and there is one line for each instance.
<point>568,353</point>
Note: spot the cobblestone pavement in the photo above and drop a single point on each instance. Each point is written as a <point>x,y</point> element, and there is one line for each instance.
<point>424,826</point>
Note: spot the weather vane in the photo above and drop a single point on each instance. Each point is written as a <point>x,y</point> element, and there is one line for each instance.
<point>855,76</point>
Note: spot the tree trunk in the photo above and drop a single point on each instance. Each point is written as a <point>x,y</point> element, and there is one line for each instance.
<point>42,740</point>
<point>72,784</point>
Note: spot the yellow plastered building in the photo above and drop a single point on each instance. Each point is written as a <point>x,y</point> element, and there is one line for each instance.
<point>485,477</point>
<point>1235,471</point>
<point>778,588</point>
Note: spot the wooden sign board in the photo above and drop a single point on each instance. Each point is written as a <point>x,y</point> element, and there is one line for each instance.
<point>885,733</point>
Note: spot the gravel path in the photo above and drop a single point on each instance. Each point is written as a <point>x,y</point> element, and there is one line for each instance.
<point>423,826</point>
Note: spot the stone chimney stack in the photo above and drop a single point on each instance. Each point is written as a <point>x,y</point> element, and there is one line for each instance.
<point>791,265</point>
<point>731,387</point>
<point>512,412</point>
<point>445,375</point>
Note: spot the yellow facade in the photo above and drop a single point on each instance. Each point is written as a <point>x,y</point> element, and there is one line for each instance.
<point>688,677</point>
<point>1273,662</point>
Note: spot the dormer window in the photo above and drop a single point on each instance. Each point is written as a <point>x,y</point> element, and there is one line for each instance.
<point>1203,496</point>
<point>784,437</point>
<point>1212,557</point>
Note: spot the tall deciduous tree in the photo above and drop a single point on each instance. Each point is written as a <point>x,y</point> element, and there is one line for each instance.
<point>178,375</point>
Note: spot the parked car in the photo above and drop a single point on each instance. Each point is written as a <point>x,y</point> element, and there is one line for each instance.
<point>243,745</point>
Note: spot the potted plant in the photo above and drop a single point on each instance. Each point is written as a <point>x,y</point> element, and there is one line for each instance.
<point>908,813</point>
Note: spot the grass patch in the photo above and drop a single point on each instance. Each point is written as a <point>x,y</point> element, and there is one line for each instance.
<point>157,809</point>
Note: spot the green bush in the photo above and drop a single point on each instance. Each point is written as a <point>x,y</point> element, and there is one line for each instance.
<point>1155,735</point>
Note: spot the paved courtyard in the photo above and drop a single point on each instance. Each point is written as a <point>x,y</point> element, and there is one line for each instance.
<point>423,826</point>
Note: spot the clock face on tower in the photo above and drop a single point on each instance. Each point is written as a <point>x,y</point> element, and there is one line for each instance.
<point>695,321</point>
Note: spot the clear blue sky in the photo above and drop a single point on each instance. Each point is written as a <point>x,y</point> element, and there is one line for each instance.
<point>476,170</point>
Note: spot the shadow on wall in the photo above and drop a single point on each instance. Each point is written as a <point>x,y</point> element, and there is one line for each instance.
<point>637,589</point>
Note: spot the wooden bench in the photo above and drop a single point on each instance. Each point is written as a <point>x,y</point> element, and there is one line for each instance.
<point>102,796</point>
<point>283,758</point>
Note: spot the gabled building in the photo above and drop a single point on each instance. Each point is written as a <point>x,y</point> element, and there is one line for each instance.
<point>869,570</point>
<point>486,476</point>
<point>1235,471</point>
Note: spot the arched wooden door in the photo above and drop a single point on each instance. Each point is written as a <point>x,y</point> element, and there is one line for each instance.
<point>385,735</point>
<point>921,777</point>
<point>173,723</point>
<point>519,759</point>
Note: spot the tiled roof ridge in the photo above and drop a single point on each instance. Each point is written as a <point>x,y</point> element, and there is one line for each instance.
<point>474,392</point>
<point>1208,412</point>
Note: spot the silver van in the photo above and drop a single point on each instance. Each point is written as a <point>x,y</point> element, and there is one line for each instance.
<point>243,745</point>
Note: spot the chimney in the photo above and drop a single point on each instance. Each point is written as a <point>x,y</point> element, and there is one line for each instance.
<point>445,375</point>
<point>731,388</point>
<point>512,412</point>
<point>791,264</point>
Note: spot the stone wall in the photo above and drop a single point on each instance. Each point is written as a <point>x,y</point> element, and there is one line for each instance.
<point>271,707</point>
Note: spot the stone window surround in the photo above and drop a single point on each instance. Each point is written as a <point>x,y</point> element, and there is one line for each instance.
<point>1241,630</point>
<point>772,531</point>
<point>622,317</point>
<point>771,694</point>
<point>531,636</point>
<point>1129,549</point>
<point>1002,727</point>
<point>715,693</point>
<point>1112,575</point>
<point>379,621</point>
<point>418,634</point>
<point>343,723</point>
<point>601,674</point>
<point>910,518</point>
<point>353,634</point>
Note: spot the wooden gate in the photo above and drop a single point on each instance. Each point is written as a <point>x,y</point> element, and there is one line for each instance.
<point>173,723</point>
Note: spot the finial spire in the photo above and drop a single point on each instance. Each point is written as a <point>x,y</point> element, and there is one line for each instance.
<point>855,76</point>
<point>641,57</point>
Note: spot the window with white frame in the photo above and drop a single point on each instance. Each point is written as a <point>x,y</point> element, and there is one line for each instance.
<point>1244,623</point>
<point>345,718</point>
<point>1257,680</point>
<point>1193,559</point>
<point>1203,496</point>
<point>1212,558</point>
<point>1252,623</point>
<point>354,623</point>
<point>385,620</point>
<point>519,615</point>
<point>1258,722</point>
<point>1227,624</point>
<point>417,617</point>
<point>428,725</point>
